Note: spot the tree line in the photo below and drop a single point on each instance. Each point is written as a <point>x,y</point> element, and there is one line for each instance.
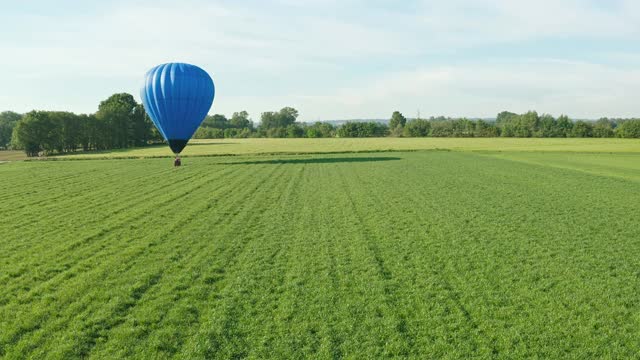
<point>121,122</point>
<point>531,124</point>
<point>283,124</point>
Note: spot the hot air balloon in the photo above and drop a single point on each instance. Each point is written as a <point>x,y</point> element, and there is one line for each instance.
<point>177,97</point>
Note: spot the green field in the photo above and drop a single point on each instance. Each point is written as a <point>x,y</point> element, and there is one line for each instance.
<point>500,252</point>
<point>337,145</point>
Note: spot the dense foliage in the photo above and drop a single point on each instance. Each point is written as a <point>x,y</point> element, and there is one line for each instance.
<point>121,123</point>
<point>428,254</point>
<point>362,129</point>
<point>8,121</point>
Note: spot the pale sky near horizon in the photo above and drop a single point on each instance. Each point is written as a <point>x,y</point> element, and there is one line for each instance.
<point>332,59</point>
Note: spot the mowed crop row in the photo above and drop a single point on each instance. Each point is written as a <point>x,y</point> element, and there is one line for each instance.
<point>218,147</point>
<point>422,254</point>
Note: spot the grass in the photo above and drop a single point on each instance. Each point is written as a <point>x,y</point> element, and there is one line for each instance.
<point>343,145</point>
<point>12,155</point>
<point>422,254</point>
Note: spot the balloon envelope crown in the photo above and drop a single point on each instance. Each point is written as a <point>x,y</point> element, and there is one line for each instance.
<point>177,97</point>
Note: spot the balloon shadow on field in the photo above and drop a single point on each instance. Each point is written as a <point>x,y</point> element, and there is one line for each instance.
<point>211,143</point>
<point>329,160</point>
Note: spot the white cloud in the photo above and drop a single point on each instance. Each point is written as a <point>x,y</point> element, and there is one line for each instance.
<point>331,59</point>
<point>545,85</point>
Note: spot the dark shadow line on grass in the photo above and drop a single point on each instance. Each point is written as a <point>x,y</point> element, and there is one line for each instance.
<point>210,143</point>
<point>329,160</point>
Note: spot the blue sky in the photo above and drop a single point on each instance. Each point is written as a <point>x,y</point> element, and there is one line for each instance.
<point>332,59</point>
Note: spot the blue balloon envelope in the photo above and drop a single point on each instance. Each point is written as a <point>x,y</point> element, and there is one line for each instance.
<point>177,97</point>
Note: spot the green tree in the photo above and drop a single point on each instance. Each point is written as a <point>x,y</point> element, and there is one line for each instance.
<point>582,129</point>
<point>281,119</point>
<point>69,128</point>
<point>417,128</point>
<point>629,129</point>
<point>548,127</point>
<point>269,120</point>
<point>441,128</point>
<point>231,133</point>
<point>508,123</point>
<point>505,117</point>
<point>287,116</point>
<point>564,125</point>
<point>397,120</point>
<point>8,120</point>
<point>217,121</point>
<point>362,129</point>
<point>603,128</point>
<point>485,129</point>
<point>396,132</point>
<point>245,133</point>
<point>462,127</point>
<point>240,120</point>
<point>527,124</point>
<point>276,132</point>
<point>294,131</point>
<point>117,116</point>
<point>36,132</point>
<point>202,133</point>
<point>320,130</point>
<point>89,135</point>
<point>142,127</point>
